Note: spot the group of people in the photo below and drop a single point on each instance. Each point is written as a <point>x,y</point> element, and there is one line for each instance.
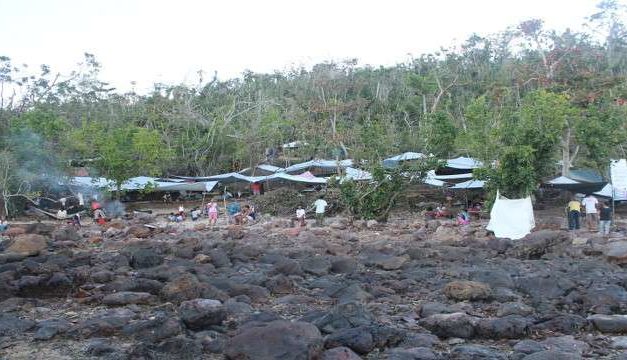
<point>320,206</point>
<point>597,214</point>
<point>237,214</point>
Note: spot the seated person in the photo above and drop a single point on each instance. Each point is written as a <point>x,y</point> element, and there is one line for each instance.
<point>252,214</point>
<point>233,209</point>
<point>244,216</point>
<point>463,218</point>
<point>4,225</point>
<point>171,217</point>
<point>195,214</point>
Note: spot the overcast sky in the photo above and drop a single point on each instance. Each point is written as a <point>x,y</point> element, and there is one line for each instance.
<point>150,41</point>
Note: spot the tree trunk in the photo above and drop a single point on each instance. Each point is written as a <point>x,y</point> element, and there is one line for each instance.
<point>566,152</point>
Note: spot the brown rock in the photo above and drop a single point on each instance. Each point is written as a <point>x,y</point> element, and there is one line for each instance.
<point>14,231</point>
<point>28,244</point>
<point>467,290</point>
<point>139,231</point>
<point>446,233</point>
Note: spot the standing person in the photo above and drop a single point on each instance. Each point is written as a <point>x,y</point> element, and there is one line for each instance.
<point>255,188</point>
<point>99,216</point>
<point>212,211</point>
<point>574,210</point>
<point>605,219</point>
<point>590,203</point>
<point>300,216</point>
<point>320,205</point>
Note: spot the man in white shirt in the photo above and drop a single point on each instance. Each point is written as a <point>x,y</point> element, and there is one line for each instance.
<point>320,205</point>
<point>591,203</point>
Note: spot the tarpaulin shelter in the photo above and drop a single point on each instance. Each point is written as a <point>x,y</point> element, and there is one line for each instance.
<point>358,174</point>
<point>261,170</point>
<point>511,218</point>
<point>585,182</point>
<point>470,184</point>
<point>459,165</point>
<point>319,166</point>
<point>397,160</point>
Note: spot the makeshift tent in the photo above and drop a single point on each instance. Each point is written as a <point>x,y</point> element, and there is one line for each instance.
<point>143,182</point>
<point>511,218</point>
<point>470,184</point>
<point>306,179</point>
<point>463,163</point>
<point>432,174</point>
<point>357,174</point>
<point>261,170</point>
<point>325,165</point>
<point>395,161</point>
<point>567,183</point>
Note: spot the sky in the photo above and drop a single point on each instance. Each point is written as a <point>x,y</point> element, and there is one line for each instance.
<point>150,41</point>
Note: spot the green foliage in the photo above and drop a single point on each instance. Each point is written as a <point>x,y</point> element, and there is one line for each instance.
<point>514,175</point>
<point>440,134</point>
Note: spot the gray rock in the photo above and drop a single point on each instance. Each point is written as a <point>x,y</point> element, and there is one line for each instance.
<point>275,340</point>
<point>475,352</point>
<point>529,347</point>
<point>288,267</point>
<point>459,325</point>
<point>316,265</point>
<point>422,340</point>
<point>514,308</point>
<point>343,265</point>
<point>127,297</point>
<point>619,342</point>
<point>219,258</point>
<point>340,353</point>
<point>180,347</point>
<point>417,353</point>
<point>562,323</point>
<point>201,314</point>
<point>566,344</point>
<point>47,329</point>
<point>159,327</point>
<point>357,339</point>
<point>344,316</point>
<point>467,290</point>
<point>99,347</point>
<point>145,258</point>
<point>12,325</point>
<point>508,327</point>
<point>552,355</point>
<point>609,323</point>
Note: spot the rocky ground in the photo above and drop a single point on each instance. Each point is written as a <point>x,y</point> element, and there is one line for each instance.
<point>408,289</point>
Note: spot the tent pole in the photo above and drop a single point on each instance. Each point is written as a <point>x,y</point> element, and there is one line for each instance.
<point>613,195</point>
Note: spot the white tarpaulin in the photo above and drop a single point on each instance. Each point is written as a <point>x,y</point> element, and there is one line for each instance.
<point>511,218</point>
<point>618,171</point>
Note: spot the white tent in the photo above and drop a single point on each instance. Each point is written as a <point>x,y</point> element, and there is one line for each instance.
<point>357,174</point>
<point>323,164</point>
<point>463,163</point>
<point>511,218</point>
<point>562,180</point>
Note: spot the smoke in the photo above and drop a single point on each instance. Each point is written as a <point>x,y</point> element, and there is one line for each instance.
<point>114,209</point>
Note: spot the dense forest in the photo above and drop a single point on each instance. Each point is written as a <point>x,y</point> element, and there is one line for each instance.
<point>531,99</point>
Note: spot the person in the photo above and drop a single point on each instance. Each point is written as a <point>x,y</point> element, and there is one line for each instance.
<point>590,203</point>
<point>182,211</point>
<point>212,212</point>
<point>61,214</point>
<point>252,214</point>
<point>4,225</point>
<point>300,216</point>
<point>243,216</point>
<point>99,216</point>
<point>605,219</point>
<point>195,214</point>
<point>255,188</point>
<point>233,209</point>
<point>320,206</point>
<point>463,218</point>
<point>172,217</point>
<point>76,220</point>
<point>574,210</point>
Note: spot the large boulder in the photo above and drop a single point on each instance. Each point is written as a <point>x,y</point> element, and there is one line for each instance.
<point>278,339</point>
<point>342,316</point>
<point>609,323</point>
<point>459,325</point>
<point>536,244</point>
<point>617,252</point>
<point>145,258</point>
<point>467,290</point>
<point>357,339</point>
<point>201,314</point>
<point>28,244</point>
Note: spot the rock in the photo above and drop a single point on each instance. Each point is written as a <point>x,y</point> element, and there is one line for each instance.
<point>446,234</point>
<point>48,329</point>
<point>508,327</point>
<point>371,224</point>
<point>103,276</point>
<point>431,308</point>
<point>182,288</point>
<point>99,347</point>
<point>552,355</point>
<point>344,316</point>
<point>180,347</point>
<point>529,347</point>
<point>566,344</point>
<point>351,293</point>
<point>416,353</point>
<point>459,325</point>
<point>562,323</point>
<point>201,314</point>
<point>432,225</point>
<point>127,297</point>
<point>158,327</point>
<point>316,265</point>
<point>419,340</point>
<point>275,340</point>
<point>12,325</point>
<point>390,262</point>
<point>617,252</point>
<point>28,244</point>
<point>475,352</point>
<point>66,233</point>
<point>467,290</point>
<point>339,353</point>
<point>542,287</point>
<point>609,323</point>
<point>280,284</point>
<point>145,258</point>
<point>202,259</point>
<point>288,267</point>
<point>538,243</point>
<point>219,258</point>
<point>357,339</point>
<point>514,308</point>
<point>343,265</point>
<point>619,342</point>
<point>139,231</point>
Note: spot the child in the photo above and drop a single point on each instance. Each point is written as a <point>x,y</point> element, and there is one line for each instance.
<point>300,216</point>
<point>463,218</point>
<point>212,212</point>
